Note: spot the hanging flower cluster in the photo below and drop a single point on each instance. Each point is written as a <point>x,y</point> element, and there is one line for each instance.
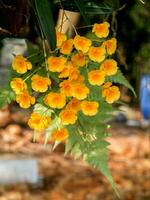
<point>63,85</point>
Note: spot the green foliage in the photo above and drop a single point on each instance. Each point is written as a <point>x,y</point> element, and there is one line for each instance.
<point>6,96</point>
<point>80,5</point>
<point>89,7</point>
<point>42,110</point>
<point>120,78</point>
<point>46,21</point>
<point>32,49</point>
<point>93,37</point>
<point>99,159</point>
<point>87,139</point>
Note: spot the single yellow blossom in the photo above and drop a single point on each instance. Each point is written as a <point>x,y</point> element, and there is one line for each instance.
<point>80,91</point>
<point>55,100</point>
<point>110,46</point>
<point>96,77</point>
<point>97,54</point>
<point>56,64</point>
<point>109,66</point>
<point>60,135</point>
<point>101,30</point>
<point>39,122</point>
<point>24,99</point>
<point>18,85</point>
<point>82,43</point>
<point>68,117</point>
<point>66,47</point>
<point>40,83</point>
<point>78,59</point>
<point>111,94</point>
<point>89,107</point>
<point>21,64</point>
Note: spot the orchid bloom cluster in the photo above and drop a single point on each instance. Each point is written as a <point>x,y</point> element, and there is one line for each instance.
<point>69,93</point>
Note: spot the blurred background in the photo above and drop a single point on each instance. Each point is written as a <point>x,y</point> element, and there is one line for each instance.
<point>31,171</point>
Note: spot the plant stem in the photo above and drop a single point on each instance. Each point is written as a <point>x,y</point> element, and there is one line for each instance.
<point>68,18</point>
<point>88,26</point>
<point>32,73</point>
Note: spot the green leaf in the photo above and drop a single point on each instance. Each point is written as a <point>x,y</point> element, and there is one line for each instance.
<point>6,97</point>
<point>46,20</point>
<point>88,6</point>
<point>75,139</point>
<point>81,8</point>
<point>94,94</point>
<point>94,126</point>
<point>95,39</point>
<point>119,78</point>
<point>42,110</point>
<point>32,49</point>
<point>99,8</point>
<point>99,159</point>
<point>114,3</point>
<point>99,144</point>
<point>94,150</point>
<point>75,151</point>
<point>36,56</point>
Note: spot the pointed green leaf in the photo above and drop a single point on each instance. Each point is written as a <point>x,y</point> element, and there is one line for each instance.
<point>81,8</point>
<point>88,6</point>
<point>42,110</point>
<point>120,78</point>
<point>6,97</point>
<point>99,160</point>
<point>45,15</point>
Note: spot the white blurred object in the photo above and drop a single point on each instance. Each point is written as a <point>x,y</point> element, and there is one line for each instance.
<point>11,46</point>
<point>133,123</point>
<point>18,171</point>
<point>4,76</point>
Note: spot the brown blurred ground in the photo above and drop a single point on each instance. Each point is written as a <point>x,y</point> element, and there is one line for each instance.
<point>63,178</point>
